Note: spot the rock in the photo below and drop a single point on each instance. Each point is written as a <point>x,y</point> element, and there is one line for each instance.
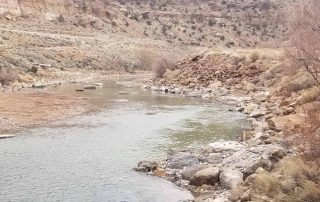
<point>155,88</point>
<point>221,146</point>
<point>214,158</point>
<point>39,85</point>
<point>247,135</point>
<point>123,93</point>
<point>6,136</point>
<point>274,153</point>
<point>257,113</point>
<point>245,196</point>
<point>286,122</point>
<point>160,172</point>
<point>230,179</point>
<point>188,172</point>
<point>183,159</point>
<point>164,89</point>
<point>208,176</point>
<point>250,108</point>
<point>98,84</point>
<point>90,87</point>
<point>146,166</point>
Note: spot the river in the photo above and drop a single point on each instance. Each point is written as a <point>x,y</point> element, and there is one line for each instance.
<point>90,157</point>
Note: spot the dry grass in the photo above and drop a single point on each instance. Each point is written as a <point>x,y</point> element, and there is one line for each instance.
<point>255,56</point>
<point>296,180</point>
<point>310,95</point>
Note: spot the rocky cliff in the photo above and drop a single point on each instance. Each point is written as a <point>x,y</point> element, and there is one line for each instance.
<point>52,8</point>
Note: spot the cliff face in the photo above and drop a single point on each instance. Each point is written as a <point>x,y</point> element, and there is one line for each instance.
<point>53,7</point>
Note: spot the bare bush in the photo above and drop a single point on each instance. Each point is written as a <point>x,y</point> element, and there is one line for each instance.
<point>310,134</point>
<point>161,65</point>
<point>145,58</point>
<point>255,56</point>
<point>305,37</point>
<point>7,76</point>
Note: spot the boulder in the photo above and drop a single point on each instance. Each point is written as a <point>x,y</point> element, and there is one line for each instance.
<point>188,172</point>
<point>183,159</point>
<point>208,176</point>
<point>214,158</point>
<point>230,179</point>
<point>250,108</point>
<point>257,113</point>
<point>286,122</point>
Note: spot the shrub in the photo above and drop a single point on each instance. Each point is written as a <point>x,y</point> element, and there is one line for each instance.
<point>161,65</point>
<point>7,76</point>
<point>255,56</point>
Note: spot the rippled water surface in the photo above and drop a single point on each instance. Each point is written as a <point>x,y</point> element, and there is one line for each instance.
<point>90,157</point>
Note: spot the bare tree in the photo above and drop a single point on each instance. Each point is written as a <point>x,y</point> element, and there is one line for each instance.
<point>305,37</point>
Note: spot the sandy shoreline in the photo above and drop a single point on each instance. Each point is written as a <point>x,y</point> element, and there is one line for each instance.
<point>22,107</point>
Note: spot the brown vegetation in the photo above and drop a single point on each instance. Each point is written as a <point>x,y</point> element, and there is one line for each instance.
<point>7,76</point>
<point>305,37</point>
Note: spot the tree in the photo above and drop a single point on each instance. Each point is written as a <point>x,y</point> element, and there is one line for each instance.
<point>305,37</point>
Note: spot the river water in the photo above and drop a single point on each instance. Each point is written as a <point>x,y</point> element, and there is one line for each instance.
<point>90,157</point>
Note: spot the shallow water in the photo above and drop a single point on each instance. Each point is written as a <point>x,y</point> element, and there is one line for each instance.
<point>90,157</point>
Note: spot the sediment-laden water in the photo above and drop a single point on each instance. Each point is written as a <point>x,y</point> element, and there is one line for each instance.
<point>90,157</point>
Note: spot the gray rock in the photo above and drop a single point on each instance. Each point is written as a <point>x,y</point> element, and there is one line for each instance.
<point>183,159</point>
<point>214,158</point>
<point>155,88</point>
<point>146,166</point>
<point>257,113</point>
<point>39,85</point>
<point>6,136</point>
<point>208,176</point>
<point>123,93</point>
<point>90,87</point>
<point>188,172</point>
<point>98,84</point>
<point>221,146</point>
<point>230,179</point>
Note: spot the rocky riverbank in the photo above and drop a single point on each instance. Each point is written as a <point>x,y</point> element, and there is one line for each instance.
<point>212,172</point>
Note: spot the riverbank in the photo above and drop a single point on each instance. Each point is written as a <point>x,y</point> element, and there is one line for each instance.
<point>274,107</point>
<point>30,103</point>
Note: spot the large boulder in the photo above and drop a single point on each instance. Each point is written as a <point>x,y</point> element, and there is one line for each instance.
<point>286,122</point>
<point>189,172</point>
<point>230,179</point>
<point>183,159</point>
<point>209,176</point>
